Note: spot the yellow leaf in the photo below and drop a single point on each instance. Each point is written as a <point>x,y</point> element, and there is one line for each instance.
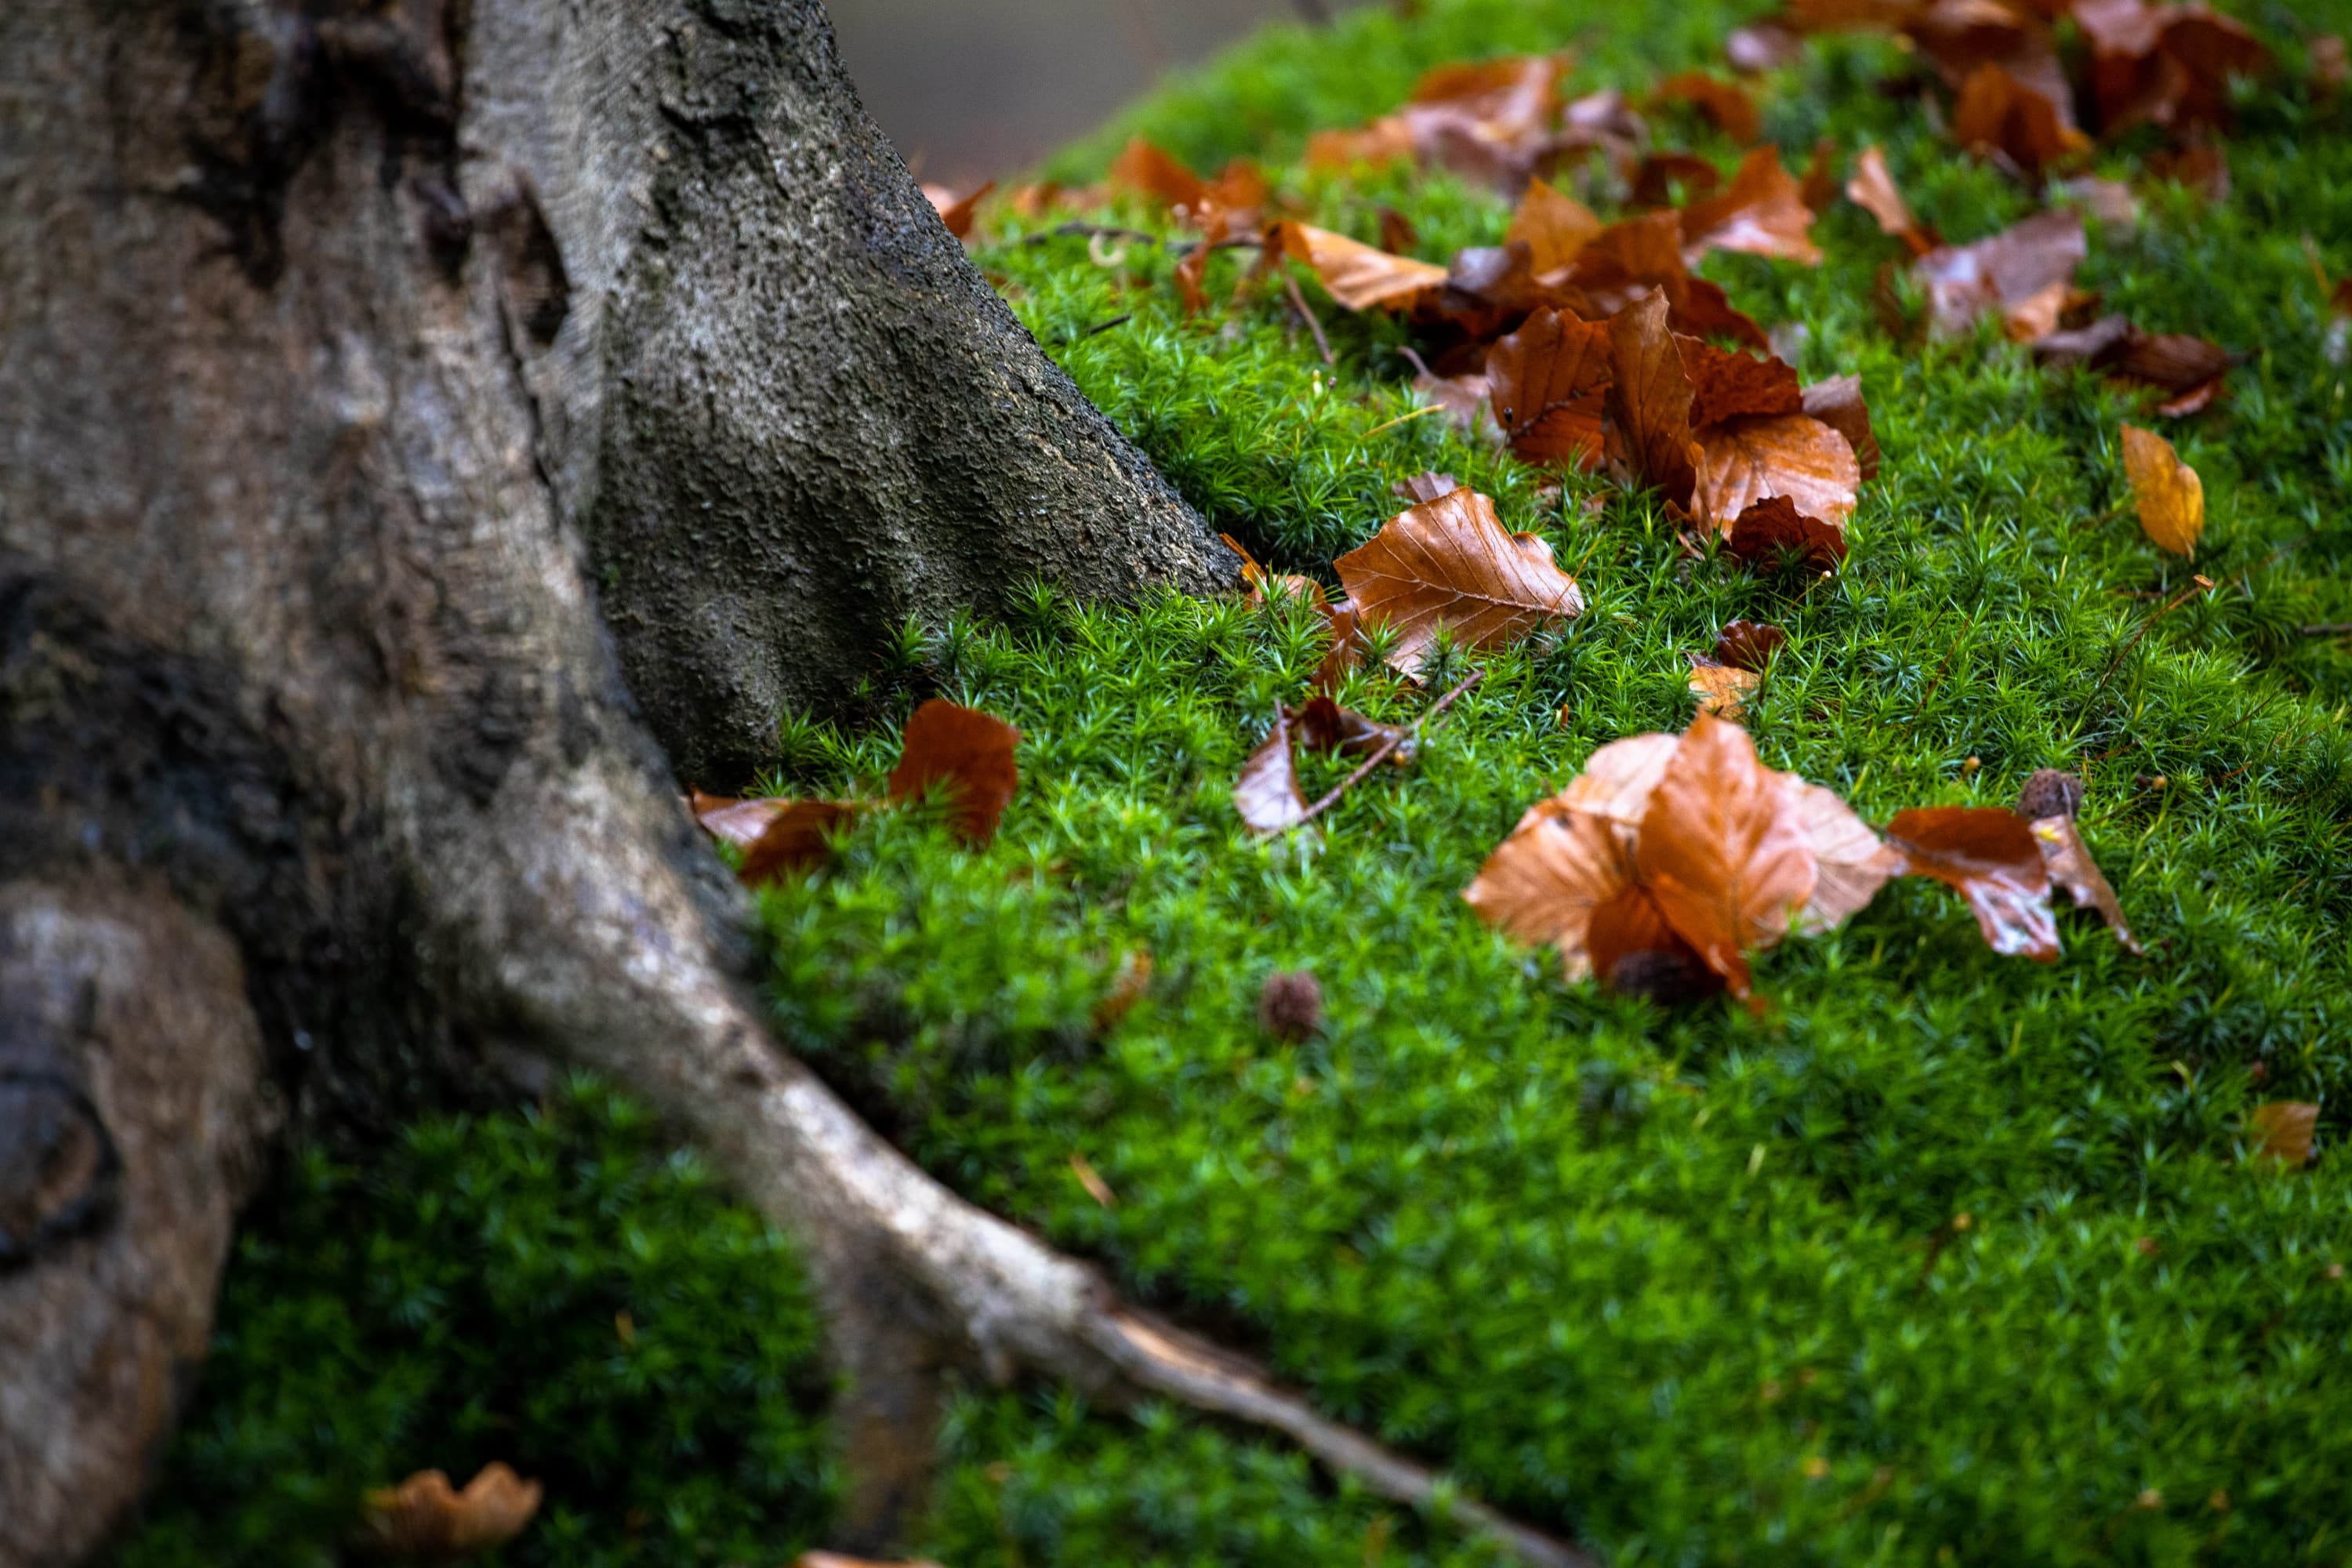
<point>2171,496</point>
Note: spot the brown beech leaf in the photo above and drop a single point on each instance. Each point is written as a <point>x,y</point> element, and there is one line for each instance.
<point>798,839</point>
<point>1989,855</point>
<point>2167,492</point>
<point>1541,884</point>
<point>1838,404</point>
<point>1262,585</point>
<point>1761,212</point>
<point>1130,983</point>
<point>1398,233</point>
<point>1725,104</point>
<point>1820,186</point>
<point>1748,645</point>
<point>1850,863</point>
<point>1636,951</point>
<point>2167,65</point>
<point>1999,113</point>
<point>1450,563</point>
<point>1794,455</point>
<point>733,821</point>
<point>1266,794</point>
<point>1424,487</point>
<point>2281,1131</point>
<point>1345,652</point>
<point>1630,258</point>
<point>2205,170</point>
<point>1554,226</point>
<point>1651,399</point>
<point>423,1517</point>
<point>1763,47</point>
<point>1728,866</point>
<point>1319,724</point>
<point>1491,120</point>
<point>2192,369</point>
<point>1873,190</point>
<point>1728,385</point>
<point>1550,383</point>
<point>956,212</point>
<point>970,752</point>
<point>1722,691</point>
<point>1465,400</point>
<point>1357,276</point>
<point>1773,527</point>
<point>1156,175</point>
<point>2072,867</point>
<point>1658,174</point>
<point>2019,274</point>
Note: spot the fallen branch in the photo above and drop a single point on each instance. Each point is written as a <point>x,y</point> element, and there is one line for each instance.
<point>1382,755</point>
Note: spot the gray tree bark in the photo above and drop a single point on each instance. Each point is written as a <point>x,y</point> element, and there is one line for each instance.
<point>361,362</point>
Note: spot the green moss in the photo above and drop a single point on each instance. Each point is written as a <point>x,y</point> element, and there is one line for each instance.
<point>1692,1285</point>
<point>560,1290</point>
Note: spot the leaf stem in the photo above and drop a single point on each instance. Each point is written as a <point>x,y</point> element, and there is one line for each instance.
<point>1364,769</point>
<point>1299,303</point>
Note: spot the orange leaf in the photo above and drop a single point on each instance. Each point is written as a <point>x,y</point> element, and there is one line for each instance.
<point>1541,884</point>
<point>1449,562</point>
<point>1729,867</point>
<point>1850,863</point>
<point>2281,1131</point>
<point>799,838</point>
<point>1997,112</point>
<point>423,1517</point>
<point>1549,382</point>
<point>1722,691</point>
<point>969,751</point>
<point>955,211</point>
<point>1731,108</point>
<point>1773,526</point>
<point>1555,227</point>
<point>733,821</point>
<point>1729,385</point>
<point>1873,190</point>
<point>1637,951</point>
<point>1656,175</point>
<point>1838,404</point>
<point>1793,455</point>
<point>1992,857</point>
<point>2071,866</point>
<point>1262,585</point>
<point>1266,794</point>
<point>1762,212</point>
<point>1146,170</point>
<point>1357,275</point>
<point>1651,399</point>
<point>2170,496</point>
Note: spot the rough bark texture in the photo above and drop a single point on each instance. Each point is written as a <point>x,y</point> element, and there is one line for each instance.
<point>325,331</point>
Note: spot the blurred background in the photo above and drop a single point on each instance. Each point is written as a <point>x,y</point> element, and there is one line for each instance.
<point>977,90</point>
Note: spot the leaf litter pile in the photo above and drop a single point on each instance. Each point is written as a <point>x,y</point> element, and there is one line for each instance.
<point>1809,529</point>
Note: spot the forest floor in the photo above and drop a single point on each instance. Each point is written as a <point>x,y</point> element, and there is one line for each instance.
<point>1938,1256</point>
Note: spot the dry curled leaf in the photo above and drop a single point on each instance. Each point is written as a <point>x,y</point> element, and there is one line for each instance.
<point>1838,404</point>
<point>1320,724</point>
<point>1999,113</point>
<point>1449,563</point>
<point>1726,104</point>
<point>1355,274</point>
<point>2070,865</point>
<point>1773,527</point>
<point>1873,190</point>
<point>1763,47</point>
<point>1762,212</point>
<point>1150,172</point>
<point>1554,226</point>
<point>1790,456</point>
<point>1262,584</point>
<point>1541,884</point>
<point>2019,275</point>
<point>1748,645</point>
<point>1728,385</point>
<point>777,837</point>
<point>2167,492</point>
<point>2281,1131</point>
<point>956,212</point>
<point>1491,120</point>
<point>1095,1188</point>
<point>1266,794</point>
<point>2166,65</point>
<point>1424,487</point>
<point>1991,857</point>
<point>1850,863</point>
<point>2190,370</point>
<point>1722,691</point>
<point>424,1517</point>
<point>1636,951</point>
<point>1650,400</point>
<point>969,752</point>
<point>1549,382</point>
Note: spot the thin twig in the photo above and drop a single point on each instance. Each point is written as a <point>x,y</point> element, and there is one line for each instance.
<point>2199,583</point>
<point>2327,630</point>
<point>1425,409</point>
<point>1299,303</point>
<point>1105,326</point>
<point>1391,744</point>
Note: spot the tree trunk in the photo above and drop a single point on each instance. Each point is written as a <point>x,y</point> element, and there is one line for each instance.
<point>361,362</point>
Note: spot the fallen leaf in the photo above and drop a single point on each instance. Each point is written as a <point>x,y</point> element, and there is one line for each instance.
<point>1722,691</point>
<point>1628,261</point>
<point>2192,369</point>
<point>1999,113</point>
<point>2281,1131</point>
<point>1548,384</point>
<point>2019,274</point>
<point>1636,951</point>
<point>1464,399</point>
<point>1266,794</point>
<point>1748,645</point>
<point>1150,172</point>
<point>1658,174</point>
<point>1554,226</point>
<point>1761,212</point>
<point>1728,867</point>
<point>424,1517</point>
<point>2166,65</point>
<point>1424,487</point>
<point>2168,495</point>
<point>798,839</point>
<point>1650,400</point>
<point>1450,563</point>
<point>1355,274</point>
<point>1320,724</point>
<point>1821,185</point>
<point>1490,120</point>
<point>1542,883</point>
<point>2203,170</point>
<point>2109,203</point>
<point>968,751</point>
<point>1791,456</point>
<point>1130,983</point>
<point>1873,190</point>
<point>1727,385</point>
<point>1773,527</point>
<point>2071,867</point>
<point>1262,585</point>
<point>1838,404</point>
<point>1725,105</point>
<point>1095,1188</point>
<point>1991,857</point>
<point>2331,65</point>
<point>956,212</point>
<point>1763,47</point>
<point>1850,863</point>
<point>733,821</point>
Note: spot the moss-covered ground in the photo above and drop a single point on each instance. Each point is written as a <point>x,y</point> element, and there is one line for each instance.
<point>1946,1257</point>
